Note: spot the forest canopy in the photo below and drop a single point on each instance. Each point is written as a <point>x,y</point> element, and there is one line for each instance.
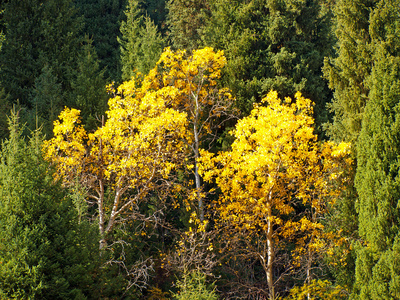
<point>213,149</point>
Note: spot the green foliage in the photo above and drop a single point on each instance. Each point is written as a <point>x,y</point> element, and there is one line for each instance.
<point>298,35</point>
<point>276,45</point>
<point>185,21</point>
<point>141,43</point>
<point>348,71</point>
<point>236,27</point>
<point>44,254</point>
<point>377,178</point>
<point>89,86</point>
<point>47,99</point>
<point>193,287</point>
<point>5,108</point>
<point>102,20</point>
<point>38,33</point>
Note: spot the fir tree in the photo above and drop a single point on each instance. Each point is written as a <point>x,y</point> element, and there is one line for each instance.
<point>38,33</point>
<point>347,75</point>
<point>185,22</point>
<point>89,86</point>
<point>47,99</point>
<point>377,178</point>
<point>44,254</point>
<point>276,45</point>
<point>141,43</point>
<point>348,71</point>
<point>102,20</point>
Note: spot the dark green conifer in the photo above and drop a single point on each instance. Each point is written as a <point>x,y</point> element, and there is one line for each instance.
<point>47,100</point>
<point>44,253</point>
<point>185,22</point>
<point>89,86</point>
<point>38,34</point>
<point>348,71</point>
<point>102,20</point>
<point>141,43</point>
<point>272,45</point>
<point>378,170</point>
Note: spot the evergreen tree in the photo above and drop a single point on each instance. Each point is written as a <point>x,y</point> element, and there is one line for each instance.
<point>348,71</point>
<point>89,86</point>
<point>298,35</point>
<point>275,45</point>
<point>185,22</point>
<point>38,33</point>
<point>102,22</point>
<point>141,43</point>
<point>47,99</point>
<point>377,178</point>
<point>236,27</point>
<point>156,10</point>
<point>347,74</point>
<point>44,254</point>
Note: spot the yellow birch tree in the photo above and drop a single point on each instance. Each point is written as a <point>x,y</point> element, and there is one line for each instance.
<point>207,106</point>
<point>275,181</point>
<point>129,157</point>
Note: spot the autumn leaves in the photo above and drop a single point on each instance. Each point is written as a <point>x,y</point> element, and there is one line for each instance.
<point>160,122</point>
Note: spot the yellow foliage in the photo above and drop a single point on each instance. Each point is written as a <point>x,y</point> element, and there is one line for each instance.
<point>317,290</point>
<point>146,134</point>
<point>276,164</point>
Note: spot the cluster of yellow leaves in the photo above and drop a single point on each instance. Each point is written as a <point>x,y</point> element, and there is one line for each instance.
<point>194,80</point>
<point>138,139</point>
<point>276,164</point>
<point>146,121</point>
<point>317,289</point>
<point>67,148</point>
<point>146,133</point>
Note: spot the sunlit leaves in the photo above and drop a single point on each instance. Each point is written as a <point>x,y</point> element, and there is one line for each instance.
<point>276,166</point>
<point>150,123</point>
<point>130,156</point>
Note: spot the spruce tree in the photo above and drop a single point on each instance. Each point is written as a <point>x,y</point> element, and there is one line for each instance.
<point>47,99</point>
<point>89,86</point>
<point>141,43</point>
<point>102,20</point>
<point>44,253</point>
<point>377,178</point>
<point>276,45</point>
<point>185,21</point>
<point>347,72</point>
<point>236,27</point>
<point>38,33</point>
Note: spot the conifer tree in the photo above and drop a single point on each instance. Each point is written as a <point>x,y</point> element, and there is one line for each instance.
<point>276,45</point>
<point>347,75</point>
<point>38,33</point>
<point>47,98</point>
<point>348,71</point>
<point>377,178</point>
<point>141,43</point>
<point>89,86</point>
<point>44,254</point>
<point>102,20</point>
<point>185,22</point>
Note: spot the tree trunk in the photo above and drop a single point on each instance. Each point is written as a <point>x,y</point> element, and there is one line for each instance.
<point>270,252</point>
<point>196,157</point>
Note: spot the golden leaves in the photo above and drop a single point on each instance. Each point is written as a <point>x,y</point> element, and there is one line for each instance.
<point>275,165</point>
<point>67,148</point>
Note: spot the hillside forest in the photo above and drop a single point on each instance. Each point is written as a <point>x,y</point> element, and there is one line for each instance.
<point>200,149</point>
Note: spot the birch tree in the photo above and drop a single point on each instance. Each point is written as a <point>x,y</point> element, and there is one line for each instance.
<point>129,157</point>
<point>275,167</point>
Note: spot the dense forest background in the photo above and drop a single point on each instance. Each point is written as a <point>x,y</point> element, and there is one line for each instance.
<point>209,149</point>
